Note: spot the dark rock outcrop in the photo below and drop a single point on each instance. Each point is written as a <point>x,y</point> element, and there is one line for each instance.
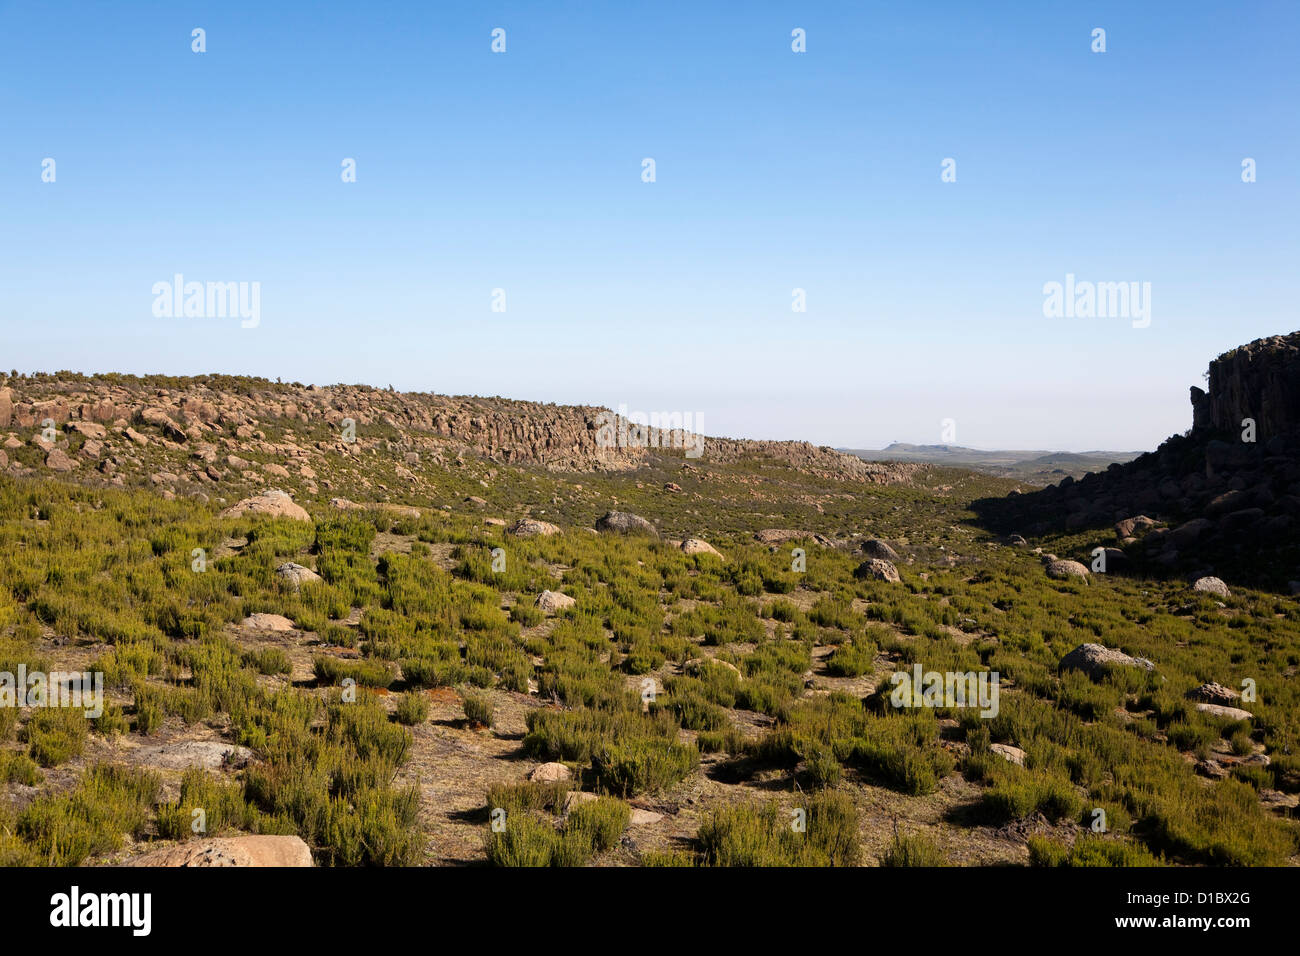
<point>1228,491</point>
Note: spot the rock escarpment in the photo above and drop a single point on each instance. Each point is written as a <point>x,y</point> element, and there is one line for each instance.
<point>1223,498</point>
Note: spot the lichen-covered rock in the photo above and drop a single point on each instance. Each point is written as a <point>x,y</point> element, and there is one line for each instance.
<point>553,602</point>
<point>1094,659</point>
<point>623,522</point>
<point>273,504</point>
<point>258,850</point>
<point>877,569</point>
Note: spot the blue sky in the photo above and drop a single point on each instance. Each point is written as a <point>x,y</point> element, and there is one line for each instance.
<point>774,171</point>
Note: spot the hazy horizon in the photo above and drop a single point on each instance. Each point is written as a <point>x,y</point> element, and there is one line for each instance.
<point>775,171</point>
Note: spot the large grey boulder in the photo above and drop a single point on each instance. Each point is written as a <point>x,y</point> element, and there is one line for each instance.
<point>1094,660</point>
<point>622,522</point>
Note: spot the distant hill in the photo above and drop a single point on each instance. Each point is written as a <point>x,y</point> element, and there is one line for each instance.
<point>1033,467</point>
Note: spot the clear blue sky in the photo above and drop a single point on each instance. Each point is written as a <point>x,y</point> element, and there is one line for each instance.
<point>775,170</point>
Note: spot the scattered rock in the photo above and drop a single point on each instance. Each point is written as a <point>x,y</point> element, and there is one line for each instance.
<point>1212,769</point>
<point>879,569</point>
<point>1062,569</point>
<point>699,546</point>
<point>1131,527</point>
<point>575,797</point>
<point>642,818</point>
<point>208,754</point>
<point>528,527</point>
<point>553,602</point>
<point>1213,693</point>
<point>550,773</point>
<point>622,522</point>
<point>1093,660</point>
<point>875,548</point>
<point>1007,752</point>
<point>296,574</point>
<point>257,850</point>
<point>274,503</point>
<point>268,622</point>
<point>1212,585</point>
<point>58,460</point>
<point>1227,713</point>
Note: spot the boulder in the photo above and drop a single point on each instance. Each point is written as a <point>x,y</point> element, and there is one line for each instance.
<point>622,522</point>
<point>779,535</point>
<point>699,546</point>
<point>1132,527</point>
<point>296,575</point>
<point>208,754</point>
<point>273,503</point>
<point>1228,713</point>
<point>58,460</point>
<point>1062,569</point>
<point>1211,585</point>
<point>550,773</point>
<point>877,569</point>
<point>1007,752</point>
<point>268,622</point>
<point>259,850</point>
<point>552,602</point>
<point>1094,659</point>
<point>528,527</point>
<point>88,429</point>
<point>875,548</point>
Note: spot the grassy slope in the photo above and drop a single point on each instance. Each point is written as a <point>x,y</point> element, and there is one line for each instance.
<point>103,578</point>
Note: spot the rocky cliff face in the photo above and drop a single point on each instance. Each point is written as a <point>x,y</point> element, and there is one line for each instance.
<point>219,418</point>
<point>1225,500</point>
<point>1259,381</point>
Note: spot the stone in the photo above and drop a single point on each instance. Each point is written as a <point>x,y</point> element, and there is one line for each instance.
<point>273,504</point>
<point>268,622</point>
<point>875,548</point>
<point>699,546</point>
<point>296,575</point>
<point>1094,659</point>
<point>1211,585</point>
<point>640,818</point>
<point>877,569</point>
<point>1061,569</point>
<point>1213,693</point>
<point>58,460</point>
<point>1013,754</point>
<point>1132,527</point>
<point>529,527</point>
<point>1227,713</point>
<point>553,602</point>
<point>258,850</point>
<point>550,773</point>
<point>208,754</point>
<point>622,522</point>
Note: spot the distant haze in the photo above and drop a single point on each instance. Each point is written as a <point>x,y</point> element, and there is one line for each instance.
<point>776,171</point>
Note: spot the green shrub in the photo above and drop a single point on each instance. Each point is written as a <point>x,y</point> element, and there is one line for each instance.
<point>412,708</point>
